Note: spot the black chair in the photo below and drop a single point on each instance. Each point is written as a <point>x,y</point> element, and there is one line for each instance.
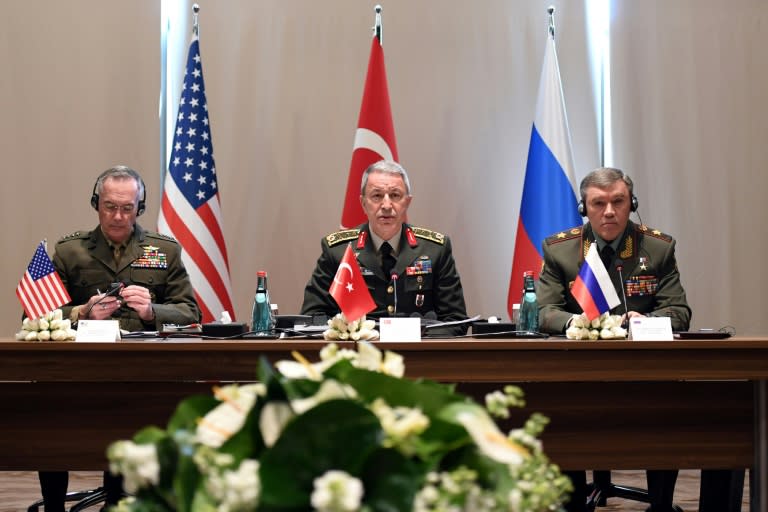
<point>84,499</point>
<point>603,488</point>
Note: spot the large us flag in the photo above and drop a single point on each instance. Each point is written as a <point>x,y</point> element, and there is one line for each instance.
<point>190,210</point>
<point>548,204</point>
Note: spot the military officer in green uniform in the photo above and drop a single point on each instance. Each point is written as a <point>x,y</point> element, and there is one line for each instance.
<point>408,270</point>
<point>155,287</point>
<point>646,257</point>
<point>651,285</point>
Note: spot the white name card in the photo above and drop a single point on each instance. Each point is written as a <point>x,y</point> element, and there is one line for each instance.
<point>400,329</point>
<point>651,328</point>
<point>90,331</point>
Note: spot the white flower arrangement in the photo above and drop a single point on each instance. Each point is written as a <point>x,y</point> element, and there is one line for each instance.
<point>346,434</point>
<point>340,329</point>
<point>604,327</point>
<point>51,326</point>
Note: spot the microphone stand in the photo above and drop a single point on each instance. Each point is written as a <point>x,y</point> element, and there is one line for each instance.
<point>619,268</point>
<point>394,293</point>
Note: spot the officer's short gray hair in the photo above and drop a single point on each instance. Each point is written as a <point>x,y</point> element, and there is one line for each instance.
<point>604,177</point>
<point>120,172</point>
<point>389,167</point>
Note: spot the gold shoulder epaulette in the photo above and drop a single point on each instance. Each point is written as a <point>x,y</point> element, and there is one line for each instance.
<point>341,236</point>
<point>655,233</point>
<point>161,236</point>
<point>73,236</point>
<point>428,234</point>
<point>562,236</point>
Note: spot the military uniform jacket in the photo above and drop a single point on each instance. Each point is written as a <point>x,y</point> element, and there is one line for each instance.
<point>651,278</point>
<point>427,277</point>
<point>86,265</point>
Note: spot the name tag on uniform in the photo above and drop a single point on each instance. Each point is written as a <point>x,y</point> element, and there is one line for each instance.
<point>400,329</point>
<point>90,331</point>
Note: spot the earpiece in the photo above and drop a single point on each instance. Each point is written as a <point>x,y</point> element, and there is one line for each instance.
<point>121,170</point>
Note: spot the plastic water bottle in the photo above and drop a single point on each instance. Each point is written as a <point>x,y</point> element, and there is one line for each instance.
<point>263,319</point>
<point>529,305</point>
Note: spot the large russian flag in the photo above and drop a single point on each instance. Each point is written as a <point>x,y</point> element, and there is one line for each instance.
<point>548,203</point>
<point>593,289</point>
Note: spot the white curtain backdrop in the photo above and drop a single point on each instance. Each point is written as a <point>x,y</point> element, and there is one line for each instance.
<point>80,93</point>
<point>690,105</point>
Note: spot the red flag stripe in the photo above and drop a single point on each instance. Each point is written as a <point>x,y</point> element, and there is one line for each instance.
<point>374,137</point>
<point>199,264</point>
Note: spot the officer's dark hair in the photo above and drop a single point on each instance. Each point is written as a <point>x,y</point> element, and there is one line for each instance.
<point>604,177</point>
<point>389,167</point>
<point>120,172</point>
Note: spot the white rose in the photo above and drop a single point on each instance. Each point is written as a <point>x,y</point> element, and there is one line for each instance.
<point>58,315</point>
<point>595,324</point>
<point>594,334</point>
<point>71,334</point>
<point>44,324</point>
<point>619,332</point>
<point>32,325</point>
<point>59,335</point>
<point>573,333</point>
<point>606,334</point>
<point>44,335</point>
<point>21,335</point>
<point>31,336</point>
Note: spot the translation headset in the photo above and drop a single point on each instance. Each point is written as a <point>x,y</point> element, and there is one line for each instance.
<point>582,207</point>
<point>120,170</point>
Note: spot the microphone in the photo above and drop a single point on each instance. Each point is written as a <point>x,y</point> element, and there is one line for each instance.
<point>394,288</point>
<point>113,290</point>
<point>619,268</point>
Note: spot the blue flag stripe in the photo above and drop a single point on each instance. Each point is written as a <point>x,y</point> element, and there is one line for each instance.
<point>544,178</point>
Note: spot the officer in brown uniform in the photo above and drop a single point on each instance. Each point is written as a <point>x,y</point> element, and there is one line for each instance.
<point>154,285</point>
<point>651,283</point>
<point>425,280</point>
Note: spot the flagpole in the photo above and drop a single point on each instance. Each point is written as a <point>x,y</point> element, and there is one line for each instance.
<point>377,25</point>
<point>195,23</point>
<point>551,12</point>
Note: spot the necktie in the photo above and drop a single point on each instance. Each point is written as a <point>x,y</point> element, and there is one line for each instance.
<point>607,256</point>
<point>387,260</point>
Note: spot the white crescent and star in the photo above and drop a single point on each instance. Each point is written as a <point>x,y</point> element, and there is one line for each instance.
<point>343,266</point>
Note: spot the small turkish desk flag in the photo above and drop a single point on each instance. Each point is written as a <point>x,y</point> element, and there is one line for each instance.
<point>349,289</point>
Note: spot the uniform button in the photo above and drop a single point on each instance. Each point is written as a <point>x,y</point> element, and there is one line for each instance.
<point>390,289</point>
<point>390,309</point>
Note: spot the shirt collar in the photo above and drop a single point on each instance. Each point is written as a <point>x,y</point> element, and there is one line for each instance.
<point>394,241</point>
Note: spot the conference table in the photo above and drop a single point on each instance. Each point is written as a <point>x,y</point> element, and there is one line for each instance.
<point>612,404</point>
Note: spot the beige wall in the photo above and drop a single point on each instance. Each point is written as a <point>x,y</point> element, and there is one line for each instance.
<point>284,80</point>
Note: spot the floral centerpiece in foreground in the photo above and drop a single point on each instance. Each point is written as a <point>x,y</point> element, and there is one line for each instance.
<point>604,327</point>
<point>347,433</point>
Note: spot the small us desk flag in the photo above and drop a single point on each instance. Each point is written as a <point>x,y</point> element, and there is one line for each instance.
<point>41,289</point>
<point>375,134</point>
<point>593,289</point>
<point>548,203</point>
<point>190,210</point>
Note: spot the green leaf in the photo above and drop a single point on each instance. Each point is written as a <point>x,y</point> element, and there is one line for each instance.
<point>391,481</point>
<point>427,395</point>
<point>338,434</point>
<point>149,435</point>
<point>189,411</point>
